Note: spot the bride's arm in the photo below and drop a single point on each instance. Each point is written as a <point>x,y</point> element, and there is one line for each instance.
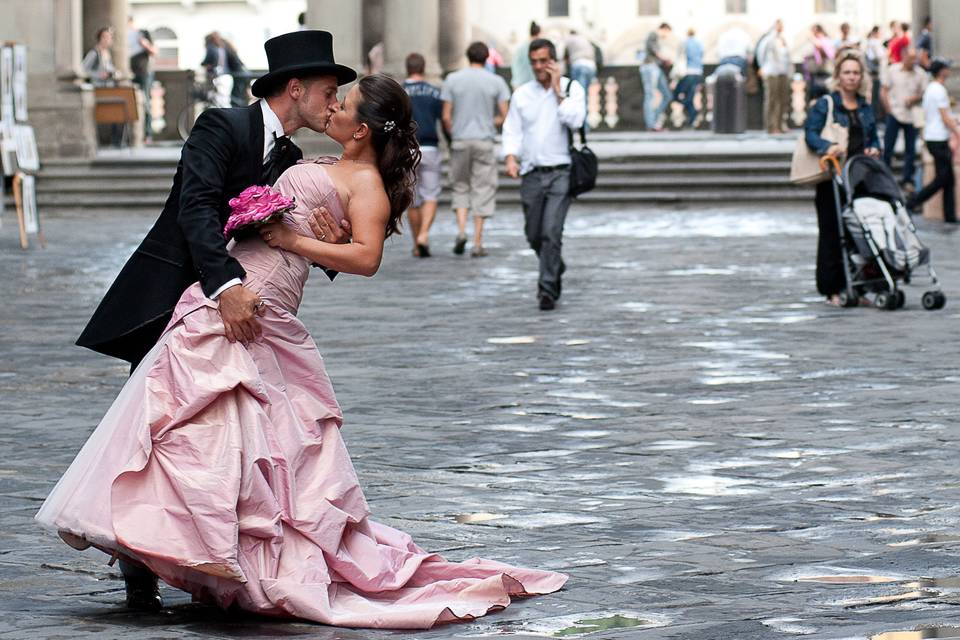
<point>368,211</point>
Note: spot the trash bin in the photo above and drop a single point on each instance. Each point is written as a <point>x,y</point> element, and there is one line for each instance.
<point>729,102</point>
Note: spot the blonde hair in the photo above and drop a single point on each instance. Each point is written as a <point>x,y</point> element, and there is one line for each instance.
<point>847,55</point>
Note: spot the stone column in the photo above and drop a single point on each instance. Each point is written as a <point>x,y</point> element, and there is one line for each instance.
<point>410,26</point>
<point>58,108</point>
<point>454,34</point>
<point>919,9</point>
<point>374,14</point>
<point>946,36</point>
<point>345,21</point>
<point>108,13</point>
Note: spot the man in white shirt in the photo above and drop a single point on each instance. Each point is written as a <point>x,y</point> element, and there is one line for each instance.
<point>536,144</point>
<point>937,130</point>
<point>776,69</point>
<point>582,59</point>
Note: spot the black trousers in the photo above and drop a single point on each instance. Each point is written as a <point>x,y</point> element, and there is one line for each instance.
<point>831,277</point>
<point>942,179</point>
<point>545,199</point>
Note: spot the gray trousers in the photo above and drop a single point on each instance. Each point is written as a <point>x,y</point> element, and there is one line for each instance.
<point>545,204</point>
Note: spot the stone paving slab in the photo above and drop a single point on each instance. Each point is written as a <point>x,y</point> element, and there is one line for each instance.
<point>693,436</point>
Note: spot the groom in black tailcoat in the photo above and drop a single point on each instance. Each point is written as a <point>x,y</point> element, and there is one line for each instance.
<point>228,150</point>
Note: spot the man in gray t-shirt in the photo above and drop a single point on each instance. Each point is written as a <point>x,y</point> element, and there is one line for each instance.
<point>474,105</point>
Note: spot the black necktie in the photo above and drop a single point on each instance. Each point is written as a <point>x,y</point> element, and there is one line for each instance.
<point>275,163</point>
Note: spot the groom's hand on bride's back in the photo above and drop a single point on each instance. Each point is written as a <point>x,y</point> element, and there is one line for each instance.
<point>239,310</point>
<point>326,228</point>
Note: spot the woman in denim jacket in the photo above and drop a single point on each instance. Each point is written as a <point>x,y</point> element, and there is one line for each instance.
<point>850,110</point>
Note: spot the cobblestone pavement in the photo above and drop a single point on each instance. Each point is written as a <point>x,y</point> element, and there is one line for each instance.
<point>705,447</point>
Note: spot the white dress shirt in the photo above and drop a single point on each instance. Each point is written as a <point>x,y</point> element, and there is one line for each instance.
<point>271,127</point>
<point>536,126</point>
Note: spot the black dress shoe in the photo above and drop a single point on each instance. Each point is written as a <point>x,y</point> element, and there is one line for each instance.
<point>143,594</point>
<point>423,250</point>
<point>547,303</point>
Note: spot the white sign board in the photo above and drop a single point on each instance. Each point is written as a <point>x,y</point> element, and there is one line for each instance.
<point>20,82</point>
<point>31,222</point>
<point>6,85</point>
<point>27,157</point>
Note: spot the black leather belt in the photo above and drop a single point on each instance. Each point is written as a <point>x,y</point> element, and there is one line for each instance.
<point>556,167</point>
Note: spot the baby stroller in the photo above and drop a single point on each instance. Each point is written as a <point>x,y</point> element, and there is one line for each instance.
<point>878,240</point>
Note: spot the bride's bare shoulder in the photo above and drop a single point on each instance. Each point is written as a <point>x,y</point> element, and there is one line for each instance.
<point>365,177</point>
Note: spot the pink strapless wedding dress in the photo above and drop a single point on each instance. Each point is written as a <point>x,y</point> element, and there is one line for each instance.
<point>221,468</point>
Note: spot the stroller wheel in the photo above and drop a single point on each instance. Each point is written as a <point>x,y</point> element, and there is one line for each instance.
<point>886,301</point>
<point>901,298</point>
<point>846,300</point>
<point>933,300</point>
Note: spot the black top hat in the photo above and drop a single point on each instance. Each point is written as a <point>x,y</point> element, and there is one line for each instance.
<point>300,53</point>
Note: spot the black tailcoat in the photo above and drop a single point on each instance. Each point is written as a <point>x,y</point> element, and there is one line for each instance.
<point>222,157</point>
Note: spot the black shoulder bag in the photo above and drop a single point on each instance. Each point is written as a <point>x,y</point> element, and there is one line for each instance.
<point>583,162</point>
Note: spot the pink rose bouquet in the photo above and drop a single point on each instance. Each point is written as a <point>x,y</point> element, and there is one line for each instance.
<point>255,206</point>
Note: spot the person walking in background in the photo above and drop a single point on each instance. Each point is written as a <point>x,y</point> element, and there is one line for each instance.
<point>141,49</point>
<point>816,64</point>
<point>99,69</point>
<point>520,71</point>
<point>775,69</point>
<point>240,93</point>
<point>902,90</point>
<point>733,47</point>
<point>427,113</point>
<point>654,79</point>
<point>474,105</point>
<point>874,50</point>
<point>852,111</point>
<point>899,42</point>
<point>925,44</point>
<point>875,55</point>
<point>494,60</point>
<point>98,64</point>
<point>846,40</point>
<point>686,89</point>
<point>940,134</point>
<point>535,143</point>
<point>582,61</point>
<point>224,67</point>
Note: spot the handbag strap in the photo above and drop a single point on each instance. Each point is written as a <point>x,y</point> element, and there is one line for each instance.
<point>829,110</point>
<point>583,127</point>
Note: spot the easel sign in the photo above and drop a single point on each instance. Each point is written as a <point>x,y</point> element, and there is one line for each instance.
<point>25,197</point>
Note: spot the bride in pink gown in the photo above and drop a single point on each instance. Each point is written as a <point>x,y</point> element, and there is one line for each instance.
<point>220,466</point>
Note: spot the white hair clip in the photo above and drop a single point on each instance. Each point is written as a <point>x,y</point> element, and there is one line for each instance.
<point>389,126</point>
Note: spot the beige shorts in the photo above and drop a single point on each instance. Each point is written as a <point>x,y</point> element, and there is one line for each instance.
<point>428,176</point>
<point>473,172</point>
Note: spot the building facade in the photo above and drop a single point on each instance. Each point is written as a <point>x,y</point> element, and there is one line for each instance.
<point>57,33</point>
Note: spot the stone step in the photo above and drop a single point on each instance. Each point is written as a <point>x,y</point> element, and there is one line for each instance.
<point>738,170</point>
<point>63,188</point>
<point>149,205</point>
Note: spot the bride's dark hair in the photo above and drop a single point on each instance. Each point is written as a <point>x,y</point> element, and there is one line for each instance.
<point>385,108</point>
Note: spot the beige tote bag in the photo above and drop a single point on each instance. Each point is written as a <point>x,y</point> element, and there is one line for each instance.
<point>805,165</point>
